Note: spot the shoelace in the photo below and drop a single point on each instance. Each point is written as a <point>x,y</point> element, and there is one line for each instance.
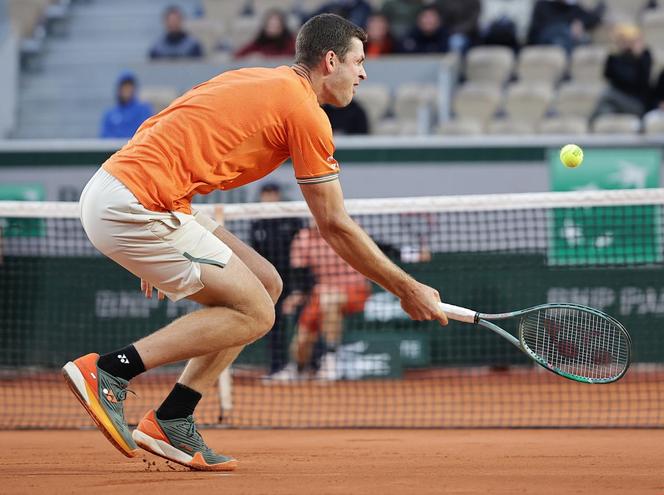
<point>192,431</point>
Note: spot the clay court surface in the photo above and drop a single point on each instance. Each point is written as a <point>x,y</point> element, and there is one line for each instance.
<point>349,462</point>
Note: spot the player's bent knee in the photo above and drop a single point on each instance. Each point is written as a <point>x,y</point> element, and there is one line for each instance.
<point>263,316</point>
<point>274,285</point>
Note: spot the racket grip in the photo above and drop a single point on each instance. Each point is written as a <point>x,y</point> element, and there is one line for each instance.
<point>458,313</point>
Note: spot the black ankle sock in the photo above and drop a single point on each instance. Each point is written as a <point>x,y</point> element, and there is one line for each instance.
<point>180,403</point>
<point>125,363</point>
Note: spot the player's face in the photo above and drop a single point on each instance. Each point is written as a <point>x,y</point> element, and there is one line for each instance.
<point>347,75</point>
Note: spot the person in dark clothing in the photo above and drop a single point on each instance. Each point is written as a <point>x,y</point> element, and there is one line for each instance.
<point>274,38</point>
<point>351,119</point>
<point>429,34</point>
<point>462,21</point>
<point>628,73</point>
<point>122,120</point>
<point>176,43</point>
<point>658,93</point>
<point>356,11</point>
<point>272,238</point>
<point>563,22</point>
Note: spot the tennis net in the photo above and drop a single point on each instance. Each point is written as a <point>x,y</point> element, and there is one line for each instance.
<point>59,299</point>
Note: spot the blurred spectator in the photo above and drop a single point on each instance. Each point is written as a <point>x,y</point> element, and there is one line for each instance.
<point>356,11</point>
<point>128,114</point>
<point>272,238</point>
<point>338,291</point>
<point>428,36</point>
<point>563,22</point>
<point>351,119</point>
<point>274,38</point>
<point>176,42</point>
<point>401,15</point>
<point>658,93</point>
<point>462,22</point>
<point>628,73</point>
<point>505,20</point>
<point>380,41</point>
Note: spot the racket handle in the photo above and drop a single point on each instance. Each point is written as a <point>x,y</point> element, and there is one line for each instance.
<point>458,313</point>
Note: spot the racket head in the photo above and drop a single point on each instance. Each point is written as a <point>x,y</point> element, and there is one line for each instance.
<point>576,342</point>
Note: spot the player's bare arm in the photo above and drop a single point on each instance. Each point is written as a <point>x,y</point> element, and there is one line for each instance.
<point>349,241</point>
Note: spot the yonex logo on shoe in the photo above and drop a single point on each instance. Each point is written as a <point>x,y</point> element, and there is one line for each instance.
<point>109,395</point>
<point>123,358</point>
<point>187,447</point>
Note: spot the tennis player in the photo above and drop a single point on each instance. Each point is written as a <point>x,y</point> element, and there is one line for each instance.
<point>223,134</point>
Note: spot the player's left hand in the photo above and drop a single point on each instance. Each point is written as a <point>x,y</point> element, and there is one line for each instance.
<point>146,289</point>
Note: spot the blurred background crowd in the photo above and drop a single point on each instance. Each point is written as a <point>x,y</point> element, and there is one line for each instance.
<point>91,68</point>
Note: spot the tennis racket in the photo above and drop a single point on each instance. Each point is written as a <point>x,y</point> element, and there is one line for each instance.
<point>571,340</point>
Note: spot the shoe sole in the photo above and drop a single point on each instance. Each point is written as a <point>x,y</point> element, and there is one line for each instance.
<point>167,451</point>
<point>80,389</point>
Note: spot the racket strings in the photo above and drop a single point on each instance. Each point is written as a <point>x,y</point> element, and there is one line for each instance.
<point>576,342</point>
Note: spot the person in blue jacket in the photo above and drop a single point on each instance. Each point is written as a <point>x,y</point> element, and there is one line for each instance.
<point>122,120</point>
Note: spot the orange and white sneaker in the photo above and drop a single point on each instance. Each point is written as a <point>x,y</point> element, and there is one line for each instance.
<point>178,440</point>
<point>102,396</point>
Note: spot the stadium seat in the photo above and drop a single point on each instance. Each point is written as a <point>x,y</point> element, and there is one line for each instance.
<point>587,63</point>
<point>563,125</point>
<point>624,10</point>
<point>476,102</point>
<point>510,126</point>
<point>578,99</point>
<point>617,124</point>
<point>158,96</point>
<point>208,31</point>
<point>375,99</point>
<point>653,123</point>
<point>221,10</point>
<point>394,127</point>
<point>542,64</point>
<point>528,102</point>
<point>492,64</point>
<point>460,127</point>
<point>653,28</point>
<point>412,98</point>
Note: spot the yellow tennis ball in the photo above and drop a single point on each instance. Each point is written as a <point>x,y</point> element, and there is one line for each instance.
<point>571,155</point>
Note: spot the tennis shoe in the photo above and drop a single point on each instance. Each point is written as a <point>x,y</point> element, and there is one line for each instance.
<point>102,395</point>
<point>178,440</point>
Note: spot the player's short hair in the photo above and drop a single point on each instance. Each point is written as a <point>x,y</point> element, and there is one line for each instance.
<point>323,33</point>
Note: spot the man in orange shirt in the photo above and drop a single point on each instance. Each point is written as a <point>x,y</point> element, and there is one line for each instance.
<point>224,133</point>
<point>338,290</point>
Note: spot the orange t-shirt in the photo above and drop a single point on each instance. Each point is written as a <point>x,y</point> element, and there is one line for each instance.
<point>227,132</point>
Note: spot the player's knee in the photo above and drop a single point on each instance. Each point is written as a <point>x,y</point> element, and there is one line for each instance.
<point>274,285</point>
<point>263,316</point>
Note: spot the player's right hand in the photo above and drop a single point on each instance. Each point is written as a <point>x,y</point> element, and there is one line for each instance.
<point>422,303</point>
<point>146,289</point>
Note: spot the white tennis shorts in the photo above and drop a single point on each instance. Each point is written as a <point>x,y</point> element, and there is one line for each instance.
<point>164,248</point>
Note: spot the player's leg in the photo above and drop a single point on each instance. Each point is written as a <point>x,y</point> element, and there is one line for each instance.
<point>179,256</point>
<point>160,431</point>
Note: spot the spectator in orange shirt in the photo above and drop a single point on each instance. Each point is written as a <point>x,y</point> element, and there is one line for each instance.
<point>338,290</point>
<point>379,37</point>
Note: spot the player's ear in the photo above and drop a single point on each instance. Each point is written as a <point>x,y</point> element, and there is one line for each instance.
<point>331,61</point>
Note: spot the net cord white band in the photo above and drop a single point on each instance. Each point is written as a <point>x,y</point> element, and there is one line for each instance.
<point>431,204</point>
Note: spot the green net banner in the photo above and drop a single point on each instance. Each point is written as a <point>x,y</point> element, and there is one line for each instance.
<point>592,235</point>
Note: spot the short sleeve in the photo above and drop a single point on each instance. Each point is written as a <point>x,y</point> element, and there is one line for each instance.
<point>311,145</point>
